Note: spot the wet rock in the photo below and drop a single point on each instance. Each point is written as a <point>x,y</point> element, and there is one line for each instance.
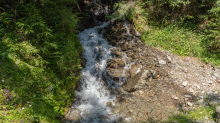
<point>116,73</point>
<point>115,63</point>
<point>118,53</point>
<point>109,104</point>
<point>162,62</point>
<point>83,62</point>
<point>120,63</point>
<point>98,12</point>
<point>136,82</point>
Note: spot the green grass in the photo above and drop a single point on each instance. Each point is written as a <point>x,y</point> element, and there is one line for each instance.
<point>200,114</point>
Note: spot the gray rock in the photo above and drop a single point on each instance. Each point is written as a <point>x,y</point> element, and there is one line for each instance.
<point>134,70</point>
<point>116,73</point>
<point>162,62</point>
<point>137,33</point>
<point>136,82</point>
<point>169,59</point>
<point>190,104</point>
<point>73,115</point>
<point>185,83</point>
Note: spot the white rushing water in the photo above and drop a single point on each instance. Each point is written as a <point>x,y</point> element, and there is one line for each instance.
<point>93,94</point>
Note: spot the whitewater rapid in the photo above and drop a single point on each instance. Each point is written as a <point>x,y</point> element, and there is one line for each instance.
<point>94,92</point>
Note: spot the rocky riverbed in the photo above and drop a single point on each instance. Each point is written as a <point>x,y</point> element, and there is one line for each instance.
<point>150,84</point>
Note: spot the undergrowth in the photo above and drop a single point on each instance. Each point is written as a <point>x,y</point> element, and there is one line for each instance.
<point>39,59</point>
<point>172,25</point>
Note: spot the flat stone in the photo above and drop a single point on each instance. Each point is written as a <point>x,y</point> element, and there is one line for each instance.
<point>162,62</point>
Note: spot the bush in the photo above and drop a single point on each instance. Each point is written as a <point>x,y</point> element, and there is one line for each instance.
<point>39,58</point>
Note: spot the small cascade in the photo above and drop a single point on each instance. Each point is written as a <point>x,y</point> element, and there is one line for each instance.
<point>94,95</point>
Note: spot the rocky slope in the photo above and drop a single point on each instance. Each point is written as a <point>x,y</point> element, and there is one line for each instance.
<point>156,82</point>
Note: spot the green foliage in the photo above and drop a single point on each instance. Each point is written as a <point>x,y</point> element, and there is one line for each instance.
<point>212,30</point>
<point>125,9</point>
<point>179,41</point>
<point>202,113</point>
<point>39,59</point>
<point>172,11</point>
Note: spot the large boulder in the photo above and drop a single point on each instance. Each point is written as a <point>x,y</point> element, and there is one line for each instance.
<point>136,82</point>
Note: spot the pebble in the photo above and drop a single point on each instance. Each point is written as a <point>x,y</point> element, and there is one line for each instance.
<point>216,92</point>
<point>191,90</point>
<point>185,83</point>
<point>169,59</point>
<point>190,104</point>
<point>175,97</point>
<point>162,62</point>
<point>210,82</point>
<point>188,96</point>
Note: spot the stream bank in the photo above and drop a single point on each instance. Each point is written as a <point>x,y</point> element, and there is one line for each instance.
<point>141,83</point>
